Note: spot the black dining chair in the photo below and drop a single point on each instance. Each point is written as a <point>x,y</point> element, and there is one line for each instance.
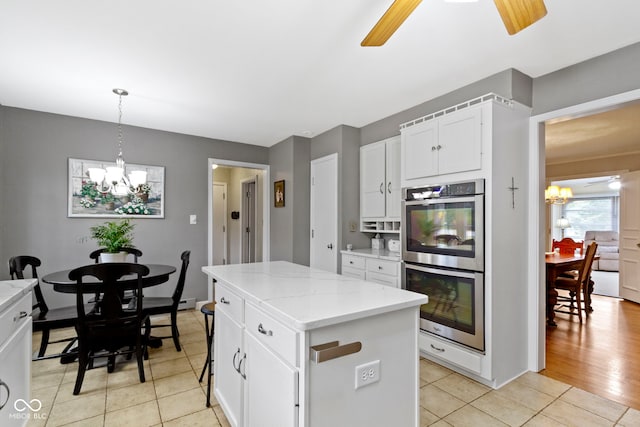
<point>109,330</point>
<point>95,255</point>
<point>169,305</point>
<point>44,318</point>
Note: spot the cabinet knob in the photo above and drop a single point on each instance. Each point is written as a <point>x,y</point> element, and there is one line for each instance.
<point>433,148</point>
<point>439,146</point>
<point>224,301</point>
<point>379,267</point>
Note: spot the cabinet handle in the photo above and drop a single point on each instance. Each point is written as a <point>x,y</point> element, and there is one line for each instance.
<point>389,187</point>
<point>382,188</point>
<point>263,331</point>
<point>350,262</point>
<point>3,384</point>
<point>379,267</point>
<point>224,301</point>
<point>331,350</point>
<point>441,350</point>
<point>242,374</point>
<point>233,362</point>
<point>433,148</point>
<point>22,315</point>
<point>439,147</point>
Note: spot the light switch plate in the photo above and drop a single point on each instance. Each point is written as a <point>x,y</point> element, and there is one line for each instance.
<point>193,219</point>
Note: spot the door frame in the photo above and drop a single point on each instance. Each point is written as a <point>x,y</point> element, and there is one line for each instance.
<point>226,232</point>
<point>243,213</point>
<point>536,286</point>
<point>266,254</point>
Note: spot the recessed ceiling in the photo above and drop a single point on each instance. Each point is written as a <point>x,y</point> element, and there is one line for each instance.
<point>258,71</point>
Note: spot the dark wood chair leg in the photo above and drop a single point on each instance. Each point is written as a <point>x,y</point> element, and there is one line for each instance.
<point>82,368</point>
<point>44,342</point>
<point>174,331</point>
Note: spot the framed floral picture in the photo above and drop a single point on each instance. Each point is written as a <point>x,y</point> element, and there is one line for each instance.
<point>129,198</point>
<point>278,192</point>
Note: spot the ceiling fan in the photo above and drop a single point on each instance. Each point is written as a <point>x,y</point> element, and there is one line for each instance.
<point>516,15</point>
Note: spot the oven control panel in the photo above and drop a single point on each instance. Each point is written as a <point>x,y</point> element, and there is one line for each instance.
<point>456,189</point>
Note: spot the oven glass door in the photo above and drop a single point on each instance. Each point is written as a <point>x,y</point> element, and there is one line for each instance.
<point>456,303</point>
<point>444,232</point>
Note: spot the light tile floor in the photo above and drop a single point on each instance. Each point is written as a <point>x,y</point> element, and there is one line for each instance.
<point>172,396</point>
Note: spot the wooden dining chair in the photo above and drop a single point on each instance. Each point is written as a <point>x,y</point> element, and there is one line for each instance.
<point>110,330</point>
<point>169,305</point>
<point>568,246</point>
<point>44,319</point>
<point>578,287</point>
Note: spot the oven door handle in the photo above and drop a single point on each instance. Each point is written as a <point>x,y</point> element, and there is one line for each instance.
<point>440,200</point>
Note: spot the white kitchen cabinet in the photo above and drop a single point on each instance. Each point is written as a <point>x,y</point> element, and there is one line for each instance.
<point>229,356</point>
<point>271,387</point>
<point>379,266</point>
<point>15,354</point>
<point>446,144</point>
<point>380,186</point>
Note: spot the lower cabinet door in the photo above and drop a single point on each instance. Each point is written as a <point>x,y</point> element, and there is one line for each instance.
<point>271,388</point>
<point>228,359</point>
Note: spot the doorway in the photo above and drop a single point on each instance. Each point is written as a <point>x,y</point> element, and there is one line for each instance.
<point>537,230</point>
<point>235,175</point>
<point>219,224</point>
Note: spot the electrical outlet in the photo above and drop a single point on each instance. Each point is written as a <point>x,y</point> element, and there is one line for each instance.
<point>353,226</point>
<point>367,373</point>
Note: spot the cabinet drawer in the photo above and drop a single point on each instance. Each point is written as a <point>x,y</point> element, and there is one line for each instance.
<point>230,303</point>
<point>466,359</point>
<point>14,316</point>
<point>382,266</point>
<point>383,279</point>
<point>356,273</point>
<point>272,333</point>
<point>353,261</point>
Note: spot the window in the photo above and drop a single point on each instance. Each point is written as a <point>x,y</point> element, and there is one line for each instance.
<point>591,213</point>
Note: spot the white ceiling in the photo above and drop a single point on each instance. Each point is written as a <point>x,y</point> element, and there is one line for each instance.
<point>259,71</point>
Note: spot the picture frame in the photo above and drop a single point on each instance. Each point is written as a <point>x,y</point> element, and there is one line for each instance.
<point>278,194</point>
<point>86,201</point>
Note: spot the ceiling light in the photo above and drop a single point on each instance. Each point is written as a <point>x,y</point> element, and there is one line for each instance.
<point>113,179</point>
<point>556,195</point>
<point>615,185</point>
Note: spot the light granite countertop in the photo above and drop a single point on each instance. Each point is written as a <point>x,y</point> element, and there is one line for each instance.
<point>13,290</point>
<point>304,298</point>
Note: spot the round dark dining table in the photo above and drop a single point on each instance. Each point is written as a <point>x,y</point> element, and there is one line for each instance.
<point>158,274</point>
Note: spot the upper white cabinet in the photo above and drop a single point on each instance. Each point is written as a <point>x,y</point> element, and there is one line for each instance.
<point>447,144</point>
<point>380,186</point>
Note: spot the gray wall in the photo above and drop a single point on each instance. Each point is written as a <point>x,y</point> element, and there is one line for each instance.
<point>35,148</point>
<point>610,74</point>
<point>289,161</point>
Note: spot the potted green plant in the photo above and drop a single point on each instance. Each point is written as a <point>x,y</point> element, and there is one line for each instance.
<point>113,236</point>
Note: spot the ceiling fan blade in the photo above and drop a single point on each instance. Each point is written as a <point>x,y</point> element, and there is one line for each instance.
<point>390,21</point>
<point>519,14</point>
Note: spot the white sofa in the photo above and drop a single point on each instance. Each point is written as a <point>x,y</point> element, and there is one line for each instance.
<point>608,249</point>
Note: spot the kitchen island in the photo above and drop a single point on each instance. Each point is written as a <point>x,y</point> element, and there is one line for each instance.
<point>295,346</point>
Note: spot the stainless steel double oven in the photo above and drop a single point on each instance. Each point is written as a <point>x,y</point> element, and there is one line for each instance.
<point>442,240</point>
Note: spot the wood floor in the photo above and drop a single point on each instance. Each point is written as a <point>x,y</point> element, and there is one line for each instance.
<point>602,355</point>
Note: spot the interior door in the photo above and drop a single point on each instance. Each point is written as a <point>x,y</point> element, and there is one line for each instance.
<point>630,236</point>
<point>219,223</point>
<point>324,213</point>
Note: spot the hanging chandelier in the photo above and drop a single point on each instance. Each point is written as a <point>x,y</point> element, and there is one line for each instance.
<point>114,179</point>
<point>555,195</point>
